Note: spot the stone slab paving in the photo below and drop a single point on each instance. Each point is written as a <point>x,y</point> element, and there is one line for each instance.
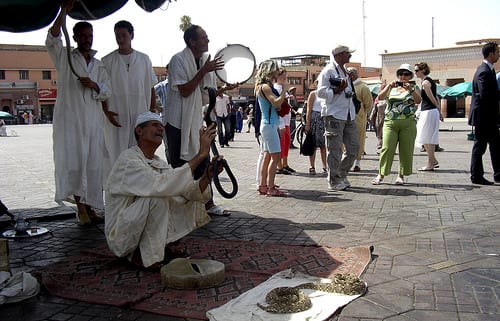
<point>436,239</point>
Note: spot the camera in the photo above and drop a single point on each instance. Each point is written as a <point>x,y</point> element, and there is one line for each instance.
<point>399,84</point>
<point>336,81</point>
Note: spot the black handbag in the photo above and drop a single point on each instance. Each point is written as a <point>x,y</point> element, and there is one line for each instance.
<point>308,145</point>
<point>355,100</point>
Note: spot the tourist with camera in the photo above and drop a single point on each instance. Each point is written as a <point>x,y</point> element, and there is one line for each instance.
<point>338,111</point>
<point>400,125</point>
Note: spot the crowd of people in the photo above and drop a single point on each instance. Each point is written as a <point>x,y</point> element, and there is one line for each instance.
<point>107,129</point>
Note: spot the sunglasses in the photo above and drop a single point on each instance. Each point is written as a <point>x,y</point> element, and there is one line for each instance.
<point>407,74</point>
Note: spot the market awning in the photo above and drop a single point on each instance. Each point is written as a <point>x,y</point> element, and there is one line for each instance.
<point>459,90</point>
<point>29,15</point>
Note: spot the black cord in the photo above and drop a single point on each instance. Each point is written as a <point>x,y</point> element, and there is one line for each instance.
<point>212,94</point>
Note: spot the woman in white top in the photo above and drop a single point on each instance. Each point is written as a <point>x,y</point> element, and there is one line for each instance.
<point>314,123</point>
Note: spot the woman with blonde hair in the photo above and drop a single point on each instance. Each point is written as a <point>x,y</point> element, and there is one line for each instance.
<point>269,104</point>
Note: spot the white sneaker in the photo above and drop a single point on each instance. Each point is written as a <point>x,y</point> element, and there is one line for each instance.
<point>339,186</point>
<point>346,181</point>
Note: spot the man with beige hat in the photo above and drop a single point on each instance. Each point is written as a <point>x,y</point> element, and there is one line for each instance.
<point>338,111</point>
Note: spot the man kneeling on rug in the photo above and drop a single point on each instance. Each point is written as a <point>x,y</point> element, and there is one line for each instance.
<point>150,204</point>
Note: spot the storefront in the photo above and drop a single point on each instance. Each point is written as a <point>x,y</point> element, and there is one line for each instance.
<point>47,100</point>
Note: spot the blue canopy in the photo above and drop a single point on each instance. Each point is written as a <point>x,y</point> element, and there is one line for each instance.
<point>4,114</point>
<point>459,90</point>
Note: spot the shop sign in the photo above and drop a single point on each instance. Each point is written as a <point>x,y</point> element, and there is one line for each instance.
<point>47,94</point>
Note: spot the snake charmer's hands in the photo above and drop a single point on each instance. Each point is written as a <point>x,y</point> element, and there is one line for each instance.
<point>207,135</point>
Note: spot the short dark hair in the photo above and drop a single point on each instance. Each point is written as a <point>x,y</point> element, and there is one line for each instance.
<point>124,24</point>
<point>488,48</point>
<point>424,67</point>
<point>81,25</point>
<point>191,33</point>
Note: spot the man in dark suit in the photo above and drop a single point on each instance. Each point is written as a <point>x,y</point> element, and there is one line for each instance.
<point>485,117</point>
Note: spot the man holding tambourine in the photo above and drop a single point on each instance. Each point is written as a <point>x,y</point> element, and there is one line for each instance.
<point>190,72</point>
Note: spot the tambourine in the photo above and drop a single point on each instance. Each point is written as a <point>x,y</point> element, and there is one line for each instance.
<point>239,64</point>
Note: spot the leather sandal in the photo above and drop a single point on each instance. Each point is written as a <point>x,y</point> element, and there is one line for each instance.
<point>274,192</point>
<point>262,189</point>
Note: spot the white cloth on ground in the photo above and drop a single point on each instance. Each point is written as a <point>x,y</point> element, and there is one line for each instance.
<point>18,287</point>
<point>77,125</point>
<point>244,307</point>
<point>428,127</point>
<point>149,204</point>
<point>185,113</point>
<point>132,84</point>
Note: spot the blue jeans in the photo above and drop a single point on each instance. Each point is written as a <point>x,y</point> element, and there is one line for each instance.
<point>224,139</point>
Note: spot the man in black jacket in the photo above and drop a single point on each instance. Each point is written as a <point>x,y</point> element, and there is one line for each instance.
<point>485,117</point>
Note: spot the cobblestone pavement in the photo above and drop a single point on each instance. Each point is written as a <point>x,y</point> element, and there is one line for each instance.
<point>436,239</point>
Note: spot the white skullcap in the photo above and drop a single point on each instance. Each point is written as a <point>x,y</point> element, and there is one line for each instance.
<point>147,116</point>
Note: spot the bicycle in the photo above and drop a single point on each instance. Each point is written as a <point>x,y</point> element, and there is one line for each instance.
<point>299,128</point>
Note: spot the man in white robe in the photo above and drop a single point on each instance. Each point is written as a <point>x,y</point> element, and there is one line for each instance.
<point>133,79</point>
<point>189,72</point>
<point>77,126</point>
<point>150,204</point>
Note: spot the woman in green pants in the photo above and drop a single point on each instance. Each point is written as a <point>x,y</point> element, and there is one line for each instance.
<point>399,124</point>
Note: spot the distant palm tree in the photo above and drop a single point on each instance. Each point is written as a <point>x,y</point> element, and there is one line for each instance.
<point>185,23</point>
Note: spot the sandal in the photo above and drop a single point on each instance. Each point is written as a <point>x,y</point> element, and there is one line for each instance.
<point>274,192</point>
<point>436,165</point>
<point>377,180</point>
<point>425,169</point>
<point>399,181</point>
<point>94,217</point>
<point>312,171</point>
<point>218,211</point>
<point>262,189</point>
<point>82,215</point>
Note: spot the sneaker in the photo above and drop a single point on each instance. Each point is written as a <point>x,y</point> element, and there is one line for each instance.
<point>341,186</point>
<point>291,170</point>
<point>439,149</point>
<point>312,171</point>
<point>283,171</point>
<point>399,181</point>
<point>346,182</point>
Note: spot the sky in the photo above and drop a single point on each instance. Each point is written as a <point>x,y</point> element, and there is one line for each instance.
<point>274,28</point>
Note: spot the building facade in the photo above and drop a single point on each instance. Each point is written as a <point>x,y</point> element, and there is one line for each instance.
<point>449,66</point>
<point>28,83</point>
<point>28,78</point>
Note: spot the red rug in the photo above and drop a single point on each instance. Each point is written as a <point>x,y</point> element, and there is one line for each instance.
<point>101,278</point>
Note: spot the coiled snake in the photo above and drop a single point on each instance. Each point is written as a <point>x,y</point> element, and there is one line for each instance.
<point>293,299</point>
<point>212,94</point>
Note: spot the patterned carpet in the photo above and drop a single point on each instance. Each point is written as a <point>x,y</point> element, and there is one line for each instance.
<point>98,277</point>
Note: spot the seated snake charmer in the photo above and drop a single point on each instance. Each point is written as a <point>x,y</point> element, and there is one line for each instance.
<point>149,204</point>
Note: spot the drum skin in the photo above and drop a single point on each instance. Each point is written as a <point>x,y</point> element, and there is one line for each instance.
<point>239,64</point>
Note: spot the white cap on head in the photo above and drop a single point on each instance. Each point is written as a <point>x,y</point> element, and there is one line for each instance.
<point>147,116</point>
<point>340,49</point>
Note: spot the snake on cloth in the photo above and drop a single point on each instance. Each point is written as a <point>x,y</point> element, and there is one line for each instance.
<point>293,299</point>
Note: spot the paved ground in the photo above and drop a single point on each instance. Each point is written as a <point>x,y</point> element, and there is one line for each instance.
<point>436,239</point>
